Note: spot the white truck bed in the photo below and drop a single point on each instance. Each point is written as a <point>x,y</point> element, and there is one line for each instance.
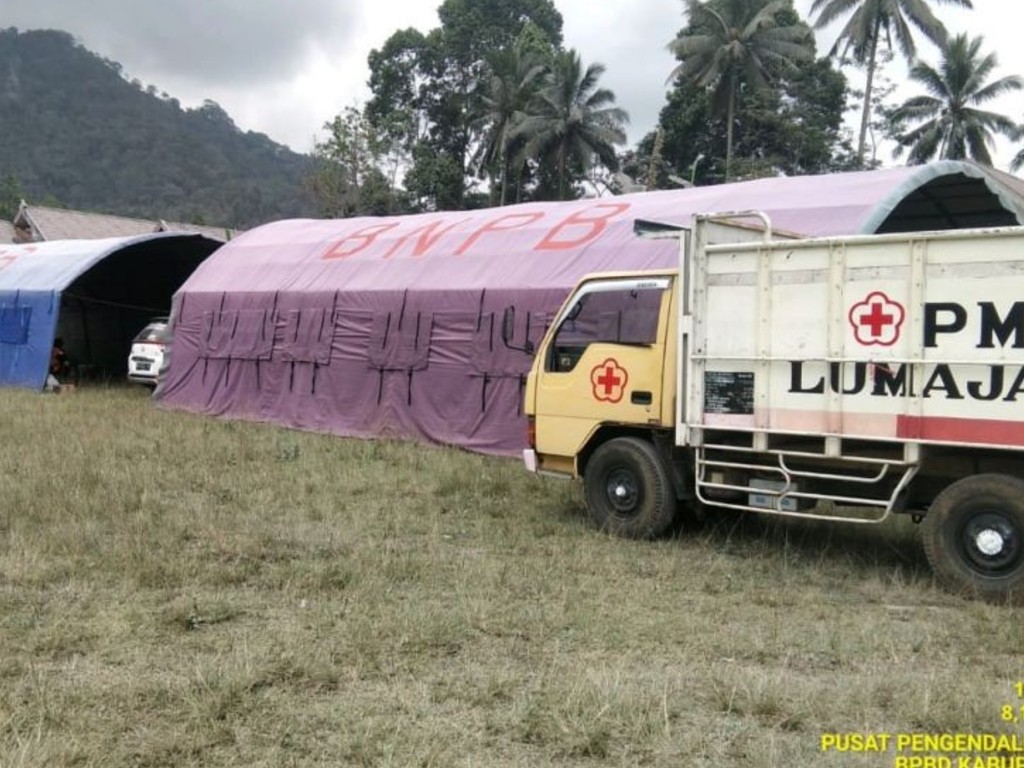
<point>911,338</point>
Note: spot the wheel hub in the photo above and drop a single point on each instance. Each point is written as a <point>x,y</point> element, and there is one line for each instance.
<point>623,491</point>
<point>992,542</point>
<point>989,542</point>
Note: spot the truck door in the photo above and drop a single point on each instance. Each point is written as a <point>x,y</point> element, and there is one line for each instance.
<point>604,362</point>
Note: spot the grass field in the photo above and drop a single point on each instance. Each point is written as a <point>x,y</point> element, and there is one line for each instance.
<point>184,591</point>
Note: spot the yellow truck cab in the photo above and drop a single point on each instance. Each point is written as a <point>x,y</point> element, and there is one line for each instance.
<point>841,379</point>
<point>605,363</point>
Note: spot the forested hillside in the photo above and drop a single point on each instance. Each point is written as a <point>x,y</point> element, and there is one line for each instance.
<point>75,130</point>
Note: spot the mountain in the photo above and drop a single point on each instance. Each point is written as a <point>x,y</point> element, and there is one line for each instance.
<point>74,129</point>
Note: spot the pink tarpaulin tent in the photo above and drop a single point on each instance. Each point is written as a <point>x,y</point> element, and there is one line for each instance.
<point>391,326</point>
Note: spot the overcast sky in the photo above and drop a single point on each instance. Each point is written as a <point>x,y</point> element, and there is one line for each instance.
<point>286,68</point>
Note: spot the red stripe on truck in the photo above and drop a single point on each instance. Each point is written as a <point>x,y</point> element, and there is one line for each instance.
<point>953,430</point>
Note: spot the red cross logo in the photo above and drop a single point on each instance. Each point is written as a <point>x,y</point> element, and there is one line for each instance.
<point>609,381</point>
<point>877,320</point>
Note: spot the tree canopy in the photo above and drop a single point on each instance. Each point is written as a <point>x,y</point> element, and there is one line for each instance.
<point>952,123</point>
<point>426,91</point>
<point>788,120</point>
<point>871,22</point>
<point>572,122</point>
<point>736,46</point>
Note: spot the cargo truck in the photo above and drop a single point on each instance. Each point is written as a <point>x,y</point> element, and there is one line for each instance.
<point>843,379</point>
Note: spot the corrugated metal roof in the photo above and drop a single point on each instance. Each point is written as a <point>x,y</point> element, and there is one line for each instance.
<point>216,233</point>
<point>60,224</point>
<point>63,224</point>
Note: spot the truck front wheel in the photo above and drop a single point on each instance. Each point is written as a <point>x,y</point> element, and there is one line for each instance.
<point>974,537</point>
<point>629,492</point>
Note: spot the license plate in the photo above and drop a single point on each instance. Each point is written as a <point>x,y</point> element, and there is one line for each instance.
<point>143,366</point>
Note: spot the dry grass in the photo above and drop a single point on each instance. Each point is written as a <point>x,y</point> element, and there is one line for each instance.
<point>180,591</point>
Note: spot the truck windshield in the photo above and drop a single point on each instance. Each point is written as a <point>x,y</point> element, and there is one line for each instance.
<point>626,315</point>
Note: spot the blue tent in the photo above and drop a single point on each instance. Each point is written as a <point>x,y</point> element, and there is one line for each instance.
<point>95,294</point>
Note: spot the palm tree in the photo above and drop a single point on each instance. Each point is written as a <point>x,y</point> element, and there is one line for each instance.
<point>730,42</point>
<point>512,82</point>
<point>869,20</point>
<point>954,127</point>
<point>572,121</point>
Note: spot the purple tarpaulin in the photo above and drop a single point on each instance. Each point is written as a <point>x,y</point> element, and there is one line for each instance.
<point>391,326</point>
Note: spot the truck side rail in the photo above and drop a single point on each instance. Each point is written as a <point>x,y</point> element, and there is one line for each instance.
<point>784,497</point>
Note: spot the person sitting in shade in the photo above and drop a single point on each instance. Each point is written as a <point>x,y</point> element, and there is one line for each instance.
<point>60,365</point>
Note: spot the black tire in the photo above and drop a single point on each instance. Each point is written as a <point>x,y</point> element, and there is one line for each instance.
<point>974,537</point>
<point>628,489</point>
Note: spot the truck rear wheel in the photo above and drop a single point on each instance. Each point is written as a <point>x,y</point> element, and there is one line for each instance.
<point>974,537</point>
<point>629,492</point>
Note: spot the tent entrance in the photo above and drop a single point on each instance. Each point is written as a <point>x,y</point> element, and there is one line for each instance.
<point>106,306</point>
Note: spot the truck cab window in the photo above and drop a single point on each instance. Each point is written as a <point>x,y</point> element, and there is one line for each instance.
<point>627,315</point>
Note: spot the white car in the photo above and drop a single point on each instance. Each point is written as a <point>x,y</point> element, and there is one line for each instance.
<point>149,348</point>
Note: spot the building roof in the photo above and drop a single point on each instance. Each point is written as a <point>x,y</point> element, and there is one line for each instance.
<point>6,232</point>
<point>35,223</point>
<point>217,233</point>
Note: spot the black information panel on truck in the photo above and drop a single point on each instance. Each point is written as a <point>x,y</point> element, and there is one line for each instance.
<point>729,392</point>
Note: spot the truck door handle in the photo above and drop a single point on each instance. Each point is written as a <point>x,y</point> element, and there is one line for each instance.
<point>640,397</point>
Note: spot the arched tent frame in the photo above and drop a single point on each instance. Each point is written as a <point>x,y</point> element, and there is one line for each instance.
<point>946,195</point>
<point>391,326</point>
<point>96,294</point>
